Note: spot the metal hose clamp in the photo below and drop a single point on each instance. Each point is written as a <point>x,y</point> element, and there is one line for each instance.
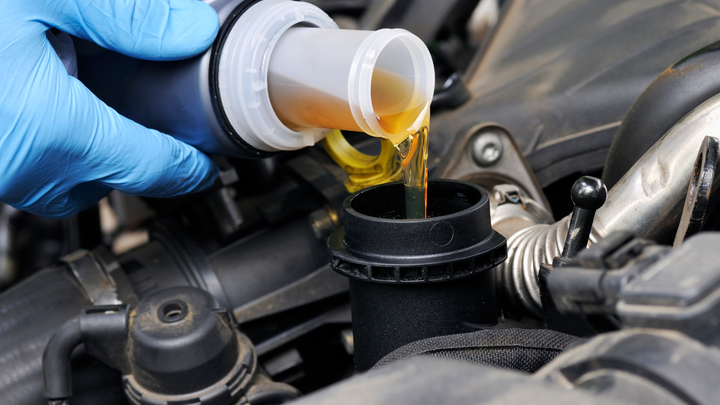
<point>92,270</point>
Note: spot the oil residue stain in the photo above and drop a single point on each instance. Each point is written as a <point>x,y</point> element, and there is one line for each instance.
<point>397,112</point>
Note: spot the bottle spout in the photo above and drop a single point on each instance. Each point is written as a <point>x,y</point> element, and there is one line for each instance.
<point>377,82</point>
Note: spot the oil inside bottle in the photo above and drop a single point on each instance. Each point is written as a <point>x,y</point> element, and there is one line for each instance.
<point>397,113</point>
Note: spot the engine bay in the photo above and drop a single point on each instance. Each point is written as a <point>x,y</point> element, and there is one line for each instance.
<point>566,256</point>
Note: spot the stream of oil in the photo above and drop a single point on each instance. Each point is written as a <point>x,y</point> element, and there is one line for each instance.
<point>392,100</point>
<point>413,154</point>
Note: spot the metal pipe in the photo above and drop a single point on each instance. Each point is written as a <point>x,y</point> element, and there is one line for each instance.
<point>648,201</point>
<point>527,250</point>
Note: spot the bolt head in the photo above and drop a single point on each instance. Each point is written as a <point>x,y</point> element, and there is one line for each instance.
<point>486,148</point>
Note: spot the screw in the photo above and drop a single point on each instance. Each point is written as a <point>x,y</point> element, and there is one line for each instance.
<point>487,148</point>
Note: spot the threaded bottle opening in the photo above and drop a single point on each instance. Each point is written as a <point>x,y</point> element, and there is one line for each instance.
<point>391,84</point>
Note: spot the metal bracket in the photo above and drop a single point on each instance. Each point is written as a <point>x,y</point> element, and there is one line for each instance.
<point>512,210</point>
<point>698,196</point>
<point>507,166</point>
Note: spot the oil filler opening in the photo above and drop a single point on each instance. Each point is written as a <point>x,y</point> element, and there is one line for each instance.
<point>388,201</point>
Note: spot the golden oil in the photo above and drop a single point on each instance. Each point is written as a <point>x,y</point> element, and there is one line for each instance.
<point>413,152</point>
<point>397,112</point>
<point>299,107</point>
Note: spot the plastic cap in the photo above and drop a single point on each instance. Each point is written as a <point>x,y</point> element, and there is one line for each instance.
<point>243,67</point>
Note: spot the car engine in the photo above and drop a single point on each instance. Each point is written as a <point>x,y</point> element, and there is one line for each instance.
<point>568,254</point>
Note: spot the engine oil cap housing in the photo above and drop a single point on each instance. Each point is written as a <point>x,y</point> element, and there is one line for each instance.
<point>412,279</point>
<point>378,244</point>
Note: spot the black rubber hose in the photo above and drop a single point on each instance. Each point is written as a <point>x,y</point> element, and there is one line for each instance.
<point>671,96</point>
<point>30,312</point>
<point>267,261</point>
<point>56,360</point>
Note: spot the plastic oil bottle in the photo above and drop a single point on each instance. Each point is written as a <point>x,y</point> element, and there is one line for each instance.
<point>279,77</point>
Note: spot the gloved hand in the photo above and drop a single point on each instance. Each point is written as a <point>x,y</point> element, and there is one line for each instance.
<point>61,148</point>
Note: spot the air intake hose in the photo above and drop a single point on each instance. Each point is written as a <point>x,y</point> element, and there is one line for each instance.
<point>30,312</point>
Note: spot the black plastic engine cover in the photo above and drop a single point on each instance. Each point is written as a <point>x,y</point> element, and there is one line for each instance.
<point>560,75</point>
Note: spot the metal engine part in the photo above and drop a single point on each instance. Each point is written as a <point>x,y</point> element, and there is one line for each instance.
<point>488,155</point>
<point>648,200</point>
<point>639,366</point>
<point>512,210</point>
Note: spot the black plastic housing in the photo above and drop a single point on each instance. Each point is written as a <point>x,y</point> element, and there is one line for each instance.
<point>420,278</point>
<point>560,76</point>
<point>175,97</point>
<point>181,342</point>
<point>378,244</point>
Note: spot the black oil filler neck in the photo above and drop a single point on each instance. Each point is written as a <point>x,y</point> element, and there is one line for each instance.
<point>420,278</point>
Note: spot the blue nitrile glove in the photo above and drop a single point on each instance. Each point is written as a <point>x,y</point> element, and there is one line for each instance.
<point>61,148</point>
